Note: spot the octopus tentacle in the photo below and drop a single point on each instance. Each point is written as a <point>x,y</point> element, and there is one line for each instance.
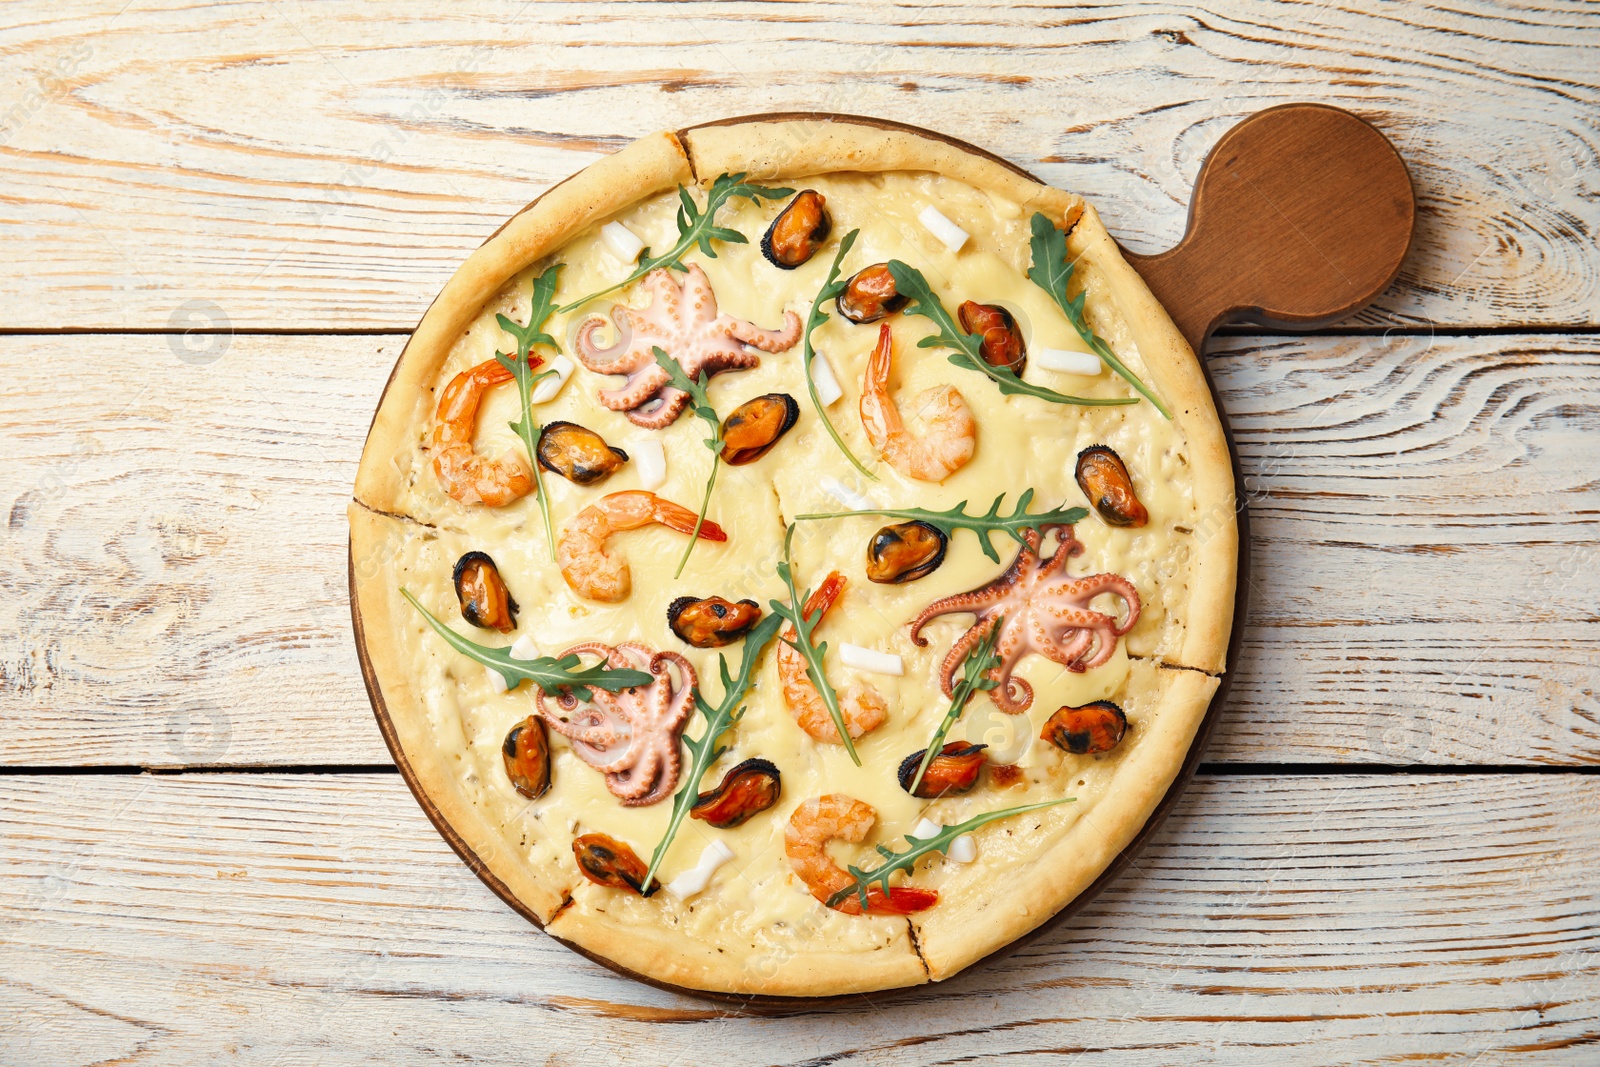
<point>682,320</point>
<point>959,651</point>
<point>645,721</point>
<point>784,337</point>
<point>1041,608</point>
<point>662,411</point>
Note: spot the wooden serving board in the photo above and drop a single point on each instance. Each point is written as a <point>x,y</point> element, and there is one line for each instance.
<point>1301,215</point>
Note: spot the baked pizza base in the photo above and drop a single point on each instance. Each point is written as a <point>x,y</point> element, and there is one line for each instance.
<point>1034,865</point>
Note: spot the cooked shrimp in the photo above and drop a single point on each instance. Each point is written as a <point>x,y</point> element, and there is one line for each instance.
<point>952,432</point>
<point>599,575</point>
<point>463,473</point>
<point>862,706</point>
<point>821,819</point>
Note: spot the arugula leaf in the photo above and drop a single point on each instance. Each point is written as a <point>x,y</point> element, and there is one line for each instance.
<point>1051,272</point>
<point>550,674</point>
<point>795,613</point>
<point>521,368</point>
<point>862,880</point>
<point>705,751</point>
<point>978,662</point>
<point>700,404</point>
<point>830,289</point>
<point>544,299</point>
<point>991,521</point>
<point>697,228</point>
<point>968,347</point>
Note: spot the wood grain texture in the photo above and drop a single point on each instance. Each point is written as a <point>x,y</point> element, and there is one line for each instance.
<point>269,919</point>
<point>1424,562</point>
<point>296,167</point>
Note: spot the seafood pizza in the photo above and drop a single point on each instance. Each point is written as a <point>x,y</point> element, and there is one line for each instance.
<point>794,556</point>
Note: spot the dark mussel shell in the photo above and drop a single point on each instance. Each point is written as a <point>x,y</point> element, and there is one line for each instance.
<point>1095,727</point>
<point>711,622</point>
<point>1002,340</point>
<point>527,754</point>
<point>747,790</point>
<point>755,426</point>
<point>798,231</point>
<point>485,601</point>
<point>1104,479</point>
<point>870,295</point>
<point>954,770</point>
<point>905,552</point>
<point>577,453</point>
<point>606,861</point>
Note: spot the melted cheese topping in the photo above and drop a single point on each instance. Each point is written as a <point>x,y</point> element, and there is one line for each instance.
<point>755,900</point>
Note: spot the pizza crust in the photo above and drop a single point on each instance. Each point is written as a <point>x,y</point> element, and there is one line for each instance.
<point>645,167</point>
<point>378,609</point>
<point>782,148</point>
<point>1025,894</point>
<point>949,940</point>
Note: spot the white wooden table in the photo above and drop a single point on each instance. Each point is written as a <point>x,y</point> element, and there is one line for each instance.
<point>219,223</point>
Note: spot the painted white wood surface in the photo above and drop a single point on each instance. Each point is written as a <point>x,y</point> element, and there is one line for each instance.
<point>1425,574</point>
<point>1424,571</point>
<point>274,920</point>
<point>326,165</point>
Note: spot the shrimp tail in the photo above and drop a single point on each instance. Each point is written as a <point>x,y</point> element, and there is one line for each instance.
<point>819,602</point>
<point>677,517</point>
<point>882,359</point>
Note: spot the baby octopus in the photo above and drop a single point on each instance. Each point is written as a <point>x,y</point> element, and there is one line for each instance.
<point>631,737</point>
<point>683,322</point>
<point>1045,610</point>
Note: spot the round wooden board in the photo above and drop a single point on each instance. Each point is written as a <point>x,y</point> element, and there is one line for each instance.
<point>1196,319</point>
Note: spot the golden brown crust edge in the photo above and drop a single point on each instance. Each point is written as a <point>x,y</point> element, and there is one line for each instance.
<point>665,955</point>
<point>375,584</point>
<point>1181,383</point>
<point>1035,892</point>
<point>643,168</point>
<point>772,150</point>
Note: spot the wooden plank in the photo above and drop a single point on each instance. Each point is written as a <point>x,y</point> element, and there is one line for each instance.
<point>1424,561</point>
<point>286,165</point>
<point>297,919</point>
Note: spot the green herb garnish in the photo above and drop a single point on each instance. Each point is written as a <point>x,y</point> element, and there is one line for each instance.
<point>695,228</point>
<point>968,347</point>
<point>705,751</point>
<point>830,289</point>
<point>795,612</point>
<point>922,846</point>
<point>521,368</point>
<point>551,675</point>
<point>991,521</point>
<point>978,663</point>
<point>700,404</point>
<point>1051,272</point>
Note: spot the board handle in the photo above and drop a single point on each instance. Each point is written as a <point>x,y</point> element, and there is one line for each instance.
<point>1301,216</point>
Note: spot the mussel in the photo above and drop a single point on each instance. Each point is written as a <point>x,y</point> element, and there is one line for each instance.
<point>1002,340</point>
<point>747,790</point>
<point>798,231</point>
<point>905,552</point>
<point>1104,479</point>
<point>954,770</point>
<point>755,426</point>
<point>870,295</point>
<point>527,754</point>
<point>485,601</point>
<point>606,861</point>
<point>711,622</point>
<point>1095,727</point>
<point>577,453</point>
